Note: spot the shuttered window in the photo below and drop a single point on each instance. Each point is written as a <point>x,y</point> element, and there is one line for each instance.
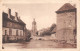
<point>16,32</point>
<point>5,32</point>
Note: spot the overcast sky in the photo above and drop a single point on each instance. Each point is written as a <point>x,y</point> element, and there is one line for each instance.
<point>44,13</point>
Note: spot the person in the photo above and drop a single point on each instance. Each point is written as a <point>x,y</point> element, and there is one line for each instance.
<point>2,47</point>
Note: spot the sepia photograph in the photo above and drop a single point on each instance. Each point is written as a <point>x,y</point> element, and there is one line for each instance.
<point>39,25</point>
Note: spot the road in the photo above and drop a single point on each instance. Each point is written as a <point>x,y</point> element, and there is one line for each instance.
<point>35,44</point>
<point>31,44</point>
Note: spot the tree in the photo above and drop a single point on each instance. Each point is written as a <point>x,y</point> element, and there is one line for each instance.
<point>52,27</point>
<point>50,30</point>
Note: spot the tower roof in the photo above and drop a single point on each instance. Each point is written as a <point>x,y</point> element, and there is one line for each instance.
<point>66,7</point>
<point>5,17</point>
<point>34,22</point>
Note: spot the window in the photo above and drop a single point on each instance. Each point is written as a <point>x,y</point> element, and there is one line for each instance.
<point>20,33</point>
<point>10,31</point>
<point>16,32</point>
<point>5,32</point>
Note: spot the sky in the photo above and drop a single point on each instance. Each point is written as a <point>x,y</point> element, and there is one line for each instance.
<point>44,13</point>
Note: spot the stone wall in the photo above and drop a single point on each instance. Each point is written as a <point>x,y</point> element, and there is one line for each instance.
<point>65,26</point>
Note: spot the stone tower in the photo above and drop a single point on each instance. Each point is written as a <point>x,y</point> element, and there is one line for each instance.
<point>66,23</point>
<point>34,27</point>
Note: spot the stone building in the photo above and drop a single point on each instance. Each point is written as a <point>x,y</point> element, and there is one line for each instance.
<point>12,27</point>
<point>27,34</point>
<point>66,23</point>
<point>34,28</point>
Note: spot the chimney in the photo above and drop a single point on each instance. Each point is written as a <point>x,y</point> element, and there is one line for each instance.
<point>16,16</point>
<point>9,13</point>
<point>74,5</point>
<point>19,17</point>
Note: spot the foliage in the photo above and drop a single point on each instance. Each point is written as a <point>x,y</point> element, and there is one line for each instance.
<point>50,30</point>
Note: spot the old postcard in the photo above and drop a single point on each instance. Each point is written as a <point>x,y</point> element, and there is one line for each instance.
<point>42,24</point>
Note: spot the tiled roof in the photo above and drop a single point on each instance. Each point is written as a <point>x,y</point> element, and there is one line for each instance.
<point>66,6</point>
<point>20,21</point>
<point>12,18</point>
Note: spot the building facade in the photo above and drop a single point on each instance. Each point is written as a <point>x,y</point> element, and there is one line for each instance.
<point>34,28</point>
<point>12,27</point>
<point>66,23</point>
<point>27,34</point>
